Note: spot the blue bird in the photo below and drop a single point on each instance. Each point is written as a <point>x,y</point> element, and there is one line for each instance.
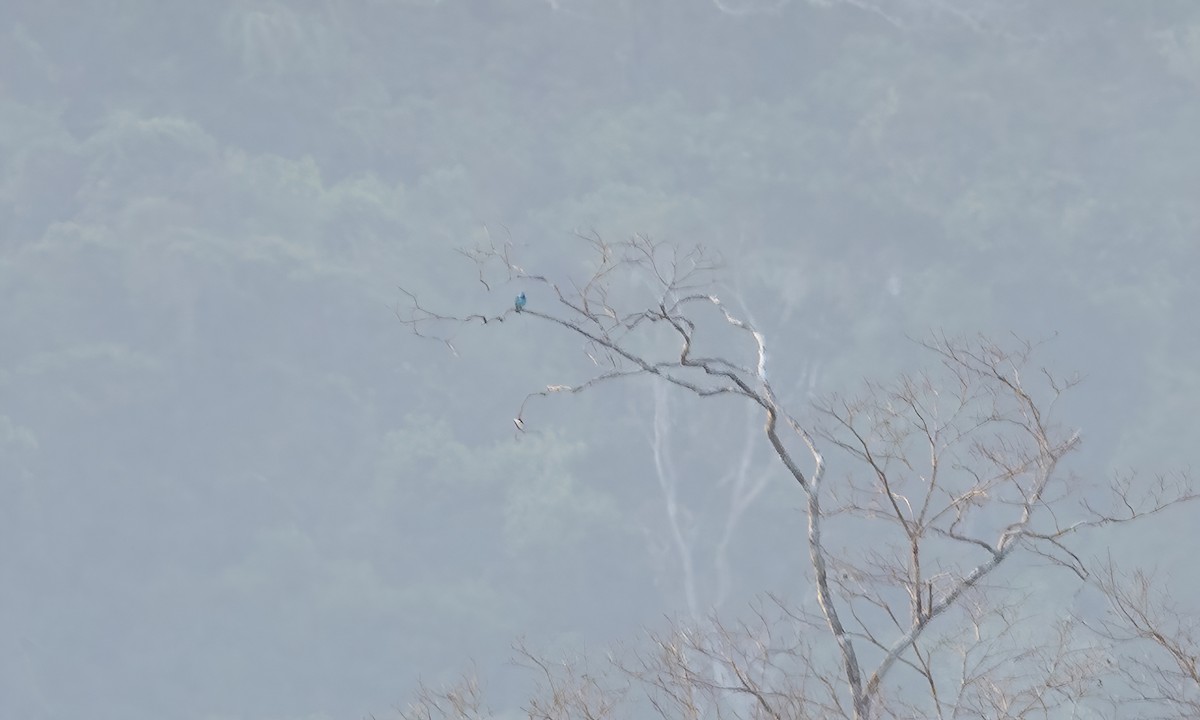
<point>520,303</point>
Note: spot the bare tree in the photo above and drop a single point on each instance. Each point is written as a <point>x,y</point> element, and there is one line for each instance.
<point>461,700</point>
<point>1154,643</point>
<point>563,690</point>
<point>942,478</point>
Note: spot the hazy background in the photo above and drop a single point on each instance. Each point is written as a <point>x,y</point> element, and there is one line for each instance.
<point>231,484</point>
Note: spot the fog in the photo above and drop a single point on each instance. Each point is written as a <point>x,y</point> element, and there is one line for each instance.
<point>233,484</point>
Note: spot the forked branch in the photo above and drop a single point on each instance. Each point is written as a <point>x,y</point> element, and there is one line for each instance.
<point>966,468</point>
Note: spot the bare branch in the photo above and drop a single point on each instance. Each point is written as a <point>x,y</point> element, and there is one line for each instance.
<point>943,477</point>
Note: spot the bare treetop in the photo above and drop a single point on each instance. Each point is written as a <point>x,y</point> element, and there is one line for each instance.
<point>604,311</point>
<point>950,473</point>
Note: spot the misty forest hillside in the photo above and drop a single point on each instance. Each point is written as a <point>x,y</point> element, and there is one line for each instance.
<point>233,485</point>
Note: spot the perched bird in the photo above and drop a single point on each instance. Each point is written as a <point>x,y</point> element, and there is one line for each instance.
<point>520,303</point>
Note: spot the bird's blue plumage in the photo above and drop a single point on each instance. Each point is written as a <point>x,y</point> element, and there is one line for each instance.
<point>520,303</point>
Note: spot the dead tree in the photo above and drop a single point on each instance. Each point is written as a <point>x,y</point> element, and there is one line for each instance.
<point>950,474</point>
